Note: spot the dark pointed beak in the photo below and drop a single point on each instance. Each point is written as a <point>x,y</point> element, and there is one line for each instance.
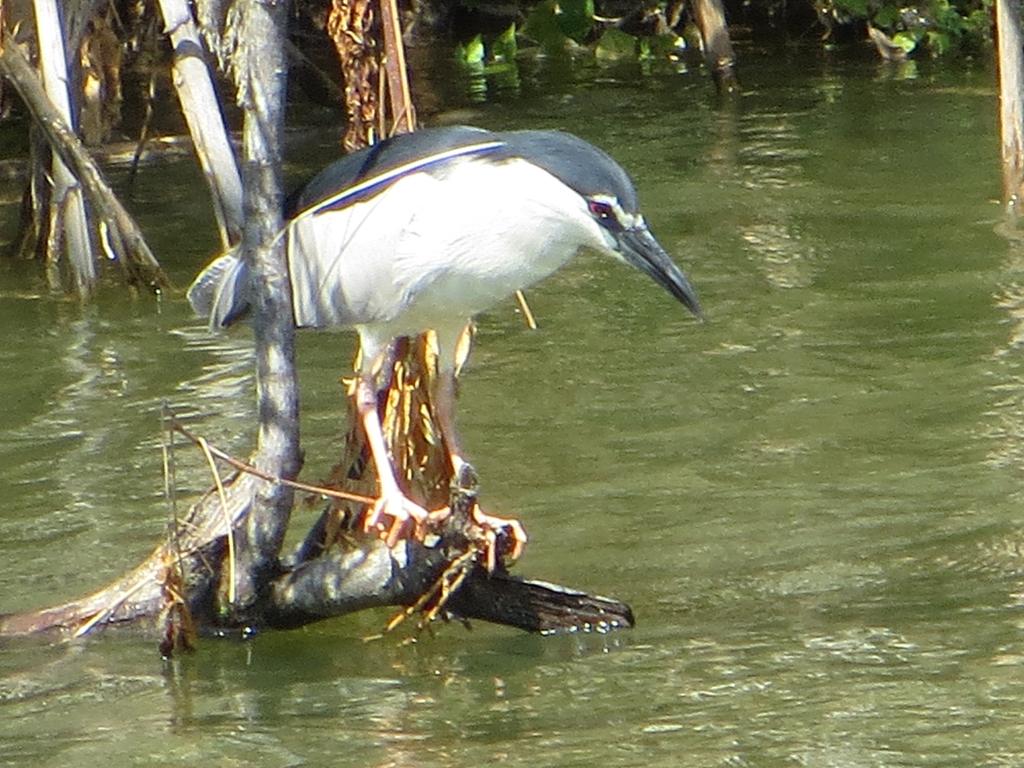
<point>645,253</point>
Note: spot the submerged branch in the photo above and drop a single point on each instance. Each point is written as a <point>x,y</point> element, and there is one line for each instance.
<point>373,576</point>
<point>329,577</point>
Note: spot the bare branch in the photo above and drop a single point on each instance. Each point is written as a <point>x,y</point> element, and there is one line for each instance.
<point>66,144</point>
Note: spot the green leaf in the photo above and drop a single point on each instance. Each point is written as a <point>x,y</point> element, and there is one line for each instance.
<point>856,8</point>
<point>887,17</point>
<point>664,46</point>
<point>505,47</point>
<point>543,27</point>
<point>575,18</point>
<point>472,52</point>
<point>938,42</point>
<point>905,40</point>
<point>616,44</point>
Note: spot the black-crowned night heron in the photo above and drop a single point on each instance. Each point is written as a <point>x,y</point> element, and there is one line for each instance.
<point>424,230</point>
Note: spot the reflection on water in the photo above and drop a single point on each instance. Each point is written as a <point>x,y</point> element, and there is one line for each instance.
<point>812,501</point>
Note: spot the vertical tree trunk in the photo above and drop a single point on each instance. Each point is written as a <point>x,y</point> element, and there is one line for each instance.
<point>260,70</point>
<point>66,204</point>
<point>202,111</point>
<point>403,116</point>
<point>718,52</point>
<point>1011,112</point>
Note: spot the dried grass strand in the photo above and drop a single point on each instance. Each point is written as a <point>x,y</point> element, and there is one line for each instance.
<point>249,469</point>
<point>205,447</point>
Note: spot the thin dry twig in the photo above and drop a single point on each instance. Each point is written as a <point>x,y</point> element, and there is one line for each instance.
<point>178,633</point>
<point>440,591</point>
<point>205,447</point>
<point>107,611</point>
<point>249,469</point>
<point>531,321</point>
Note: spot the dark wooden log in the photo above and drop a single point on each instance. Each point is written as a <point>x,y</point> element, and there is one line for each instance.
<point>321,584</point>
<point>537,606</point>
<point>372,575</point>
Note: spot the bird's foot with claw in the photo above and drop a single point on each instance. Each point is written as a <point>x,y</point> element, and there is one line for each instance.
<point>394,517</point>
<point>501,540</point>
<point>504,537</point>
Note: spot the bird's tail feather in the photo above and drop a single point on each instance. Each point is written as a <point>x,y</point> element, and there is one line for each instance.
<point>221,292</point>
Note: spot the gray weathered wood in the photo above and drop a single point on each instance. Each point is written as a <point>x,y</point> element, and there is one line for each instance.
<point>202,111</point>
<point>62,140</point>
<point>1011,92</point>
<point>67,195</point>
<point>259,67</point>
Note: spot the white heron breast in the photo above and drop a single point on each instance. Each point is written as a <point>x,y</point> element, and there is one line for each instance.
<point>434,250</point>
<point>490,231</point>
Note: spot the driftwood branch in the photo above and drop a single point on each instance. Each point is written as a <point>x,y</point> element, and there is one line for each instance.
<point>135,253</point>
<point>373,576</point>
<point>260,70</point>
<point>195,546</point>
<point>202,112</point>
<point>321,580</point>
<point>366,575</point>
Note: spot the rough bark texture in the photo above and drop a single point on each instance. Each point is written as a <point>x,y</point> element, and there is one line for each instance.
<point>315,584</point>
<point>260,71</point>
<point>190,556</point>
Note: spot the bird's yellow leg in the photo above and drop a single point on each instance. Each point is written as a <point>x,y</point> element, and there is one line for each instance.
<point>393,515</point>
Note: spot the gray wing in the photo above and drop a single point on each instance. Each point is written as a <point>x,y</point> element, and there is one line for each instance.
<point>341,246</point>
<point>342,263</point>
<point>380,158</point>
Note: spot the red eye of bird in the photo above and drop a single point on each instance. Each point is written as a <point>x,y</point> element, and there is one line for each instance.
<point>601,210</point>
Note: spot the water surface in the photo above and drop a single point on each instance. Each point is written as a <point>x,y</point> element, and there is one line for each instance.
<point>812,501</point>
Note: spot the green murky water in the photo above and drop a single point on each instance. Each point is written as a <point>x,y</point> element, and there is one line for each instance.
<point>813,502</point>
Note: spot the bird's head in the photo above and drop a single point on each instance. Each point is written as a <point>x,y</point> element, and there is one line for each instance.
<point>611,201</point>
<point>630,240</point>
